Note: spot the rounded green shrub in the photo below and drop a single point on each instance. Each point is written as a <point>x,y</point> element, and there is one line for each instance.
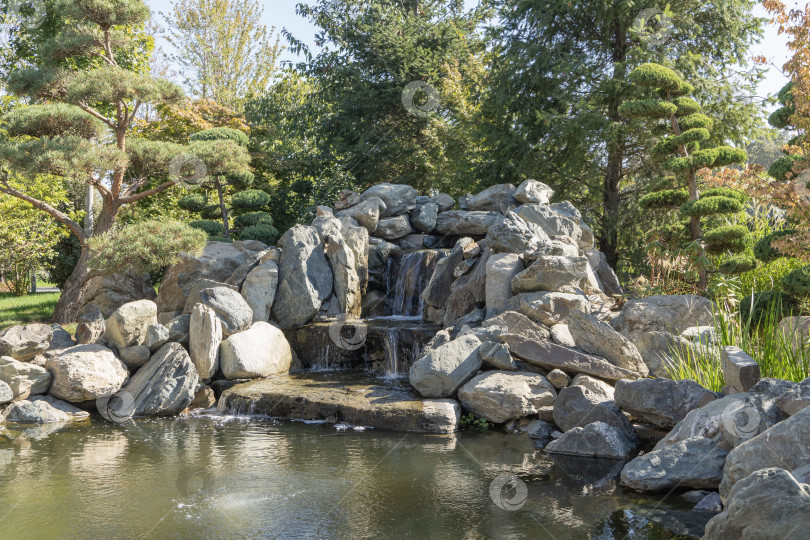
<point>242,180</point>
<point>738,264</point>
<point>725,192</point>
<point>756,307</point>
<point>263,233</point>
<point>705,158</point>
<point>695,121</point>
<point>678,164</point>
<point>656,76</point>
<point>731,238</point>
<point>728,155</point>
<point>764,250</point>
<point>251,199</point>
<point>670,198</point>
<point>693,135</point>
<point>647,108</point>
<point>780,118</point>
<point>253,218</point>
<point>780,168</point>
<point>221,134</point>
<point>797,282</point>
<point>211,228</point>
<point>212,211</point>
<point>193,202</point>
<point>710,206</point>
<point>686,106</point>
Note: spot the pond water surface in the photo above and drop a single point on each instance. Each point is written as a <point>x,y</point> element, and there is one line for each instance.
<point>213,476</point>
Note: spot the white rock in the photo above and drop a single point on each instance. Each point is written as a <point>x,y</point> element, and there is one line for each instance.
<point>260,351</point>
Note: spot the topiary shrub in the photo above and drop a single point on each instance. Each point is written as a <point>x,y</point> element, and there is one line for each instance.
<point>797,282</point>
<point>253,218</point>
<point>669,198</point>
<point>756,307</point>
<point>263,233</point>
<point>783,166</point>
<point>251,199</point>
<point>212,211</point>
<point>710,206</point>
<point>194,202</point>
<point>738,264</point>
<point>725,192</point>
<point>211,228</point>
<point>220,134</point>
<point>764,250</point>
<point>726,238</point>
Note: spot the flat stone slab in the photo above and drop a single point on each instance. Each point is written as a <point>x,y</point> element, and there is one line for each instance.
<point>346,398</point>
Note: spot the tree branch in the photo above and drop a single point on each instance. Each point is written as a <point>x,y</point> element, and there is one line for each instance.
<point>143,194</point>
<point>91,111</point>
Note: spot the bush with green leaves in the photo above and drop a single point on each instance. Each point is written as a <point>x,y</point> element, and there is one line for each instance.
<point>797,283</point>
<point>764,250</point>
<point>211,228</point>
<point>60,265</point>
<point>263,233</point>
<point>471,422</point>
<point>664,101</point>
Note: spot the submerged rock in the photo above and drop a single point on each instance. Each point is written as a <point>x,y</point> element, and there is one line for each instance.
<point>500,396</point>
<point>597,440</point>
<point>43,410</point>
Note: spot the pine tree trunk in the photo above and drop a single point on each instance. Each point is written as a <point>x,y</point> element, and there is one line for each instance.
<point>697,233</point>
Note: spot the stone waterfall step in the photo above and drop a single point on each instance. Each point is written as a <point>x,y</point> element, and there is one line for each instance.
<point>350,398</point>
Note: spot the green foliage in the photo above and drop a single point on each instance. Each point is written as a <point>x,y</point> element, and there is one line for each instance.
<point>671,198</point>
<point>211,228</point>
<point>52,120</point>
<point>764,250</point>
<point>797,282</point>
<point>725,192</point>
<point>686,106</point>
<point>21,310</point>
<point>220,239</point>
<point>193,202</point>
<point>250,219</point>
<point>711,206</point>
<point>221,134</point>
<point>731,238</point>
<point>61,263</point>
<point>144,246</point>
<point>782,167</point>
<point>212,211</point>
<point>757,307</point>
<point>251,199</point>
<point>263,233</point>
<point>738,264</point>
<point>695,121</point>
<point>470,422</point>
<point>647,108</point>
<point>780,118</point>
<point>656,76</point>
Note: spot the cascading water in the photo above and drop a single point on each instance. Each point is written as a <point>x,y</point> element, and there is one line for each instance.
<point>407,278</point>
<point>391,342</point>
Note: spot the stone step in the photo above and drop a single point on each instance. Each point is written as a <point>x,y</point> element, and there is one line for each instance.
<point>344,398</point>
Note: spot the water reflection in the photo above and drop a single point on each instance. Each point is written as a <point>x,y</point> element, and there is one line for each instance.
<point>226,477</point>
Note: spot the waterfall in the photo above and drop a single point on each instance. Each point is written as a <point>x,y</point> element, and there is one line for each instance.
<point>391,344</point>
<point>413,272</point>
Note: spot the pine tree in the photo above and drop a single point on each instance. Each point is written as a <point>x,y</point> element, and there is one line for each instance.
<point>81,125</point>
<point>674,111</point>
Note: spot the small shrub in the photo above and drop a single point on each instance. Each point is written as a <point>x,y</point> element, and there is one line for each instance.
<point>797,282</point>
<point>59,266</point>
<point>725,192</point>
<point>471,422</point>
<point>731,238</point>
<point>194,202</point>
<point>782,167</point>
<point>253,218</point>
<point>212,211</point>
<point>738,264</point>
<point>251,199</point>
<point>220,134</point>
<point>754,307</point>
<point>710,206</point>
<point>670,198</point>
<point>764,250</point>
<point>211,228</point>
<point>263,233</point>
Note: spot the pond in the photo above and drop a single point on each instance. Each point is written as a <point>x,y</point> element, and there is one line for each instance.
<point>213,476</point>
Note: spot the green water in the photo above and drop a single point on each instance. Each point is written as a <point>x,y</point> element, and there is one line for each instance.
<point>226,477</point>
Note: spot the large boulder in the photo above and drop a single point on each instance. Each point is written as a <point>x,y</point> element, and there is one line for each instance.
<point>218,261</point>
<point>24,378</point>
<point>656,348</point>
<point>260,351</point>
<point>500,269</point>
<point>769,504</point>
<point>500,396</point>
<point>129,324</point>
<point>672,314</point>
<point>357,239</point>
<point>534,192</point>
<point>86,372</point>
<point>194,295</point>
<point>463,223</point>
<point>552,356</point>
<point>25,342</point>
<point>553,223</point>
<point>259,290</point>
<point>346,278</point>
<point>549,308</point>
<point>366,213</point>
<point>90,326</point>
<point>398,198</point>
<point>740,371</point>
<point>696,462</point>
<point>423,218</point>
<point>514,235</point>
<point>552,273</point>
<point>597,386</point>
<point>43,410</point>
<point>438,290</point>
<point>499,198</point>
<point>233,311</point>
<point>393,228</point>
<point>305,277</point>
<point>444,369</point>
<point>468,292</point>
<point>595,337</point>
<point>164,386</point>
<point>661,402</point>
<point>785,445</point>
<point>512,322</point>
<point>597,440</point>
<point>795,399</point>
<point>205,336</point>
<point>108,293</point>
<point>576,406</point>
<point>610,281</point>
<point>6,394</point>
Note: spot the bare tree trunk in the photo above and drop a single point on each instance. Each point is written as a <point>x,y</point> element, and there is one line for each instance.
<point>697,233</point>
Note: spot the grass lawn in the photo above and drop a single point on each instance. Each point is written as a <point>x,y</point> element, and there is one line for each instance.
<point>26,309</point>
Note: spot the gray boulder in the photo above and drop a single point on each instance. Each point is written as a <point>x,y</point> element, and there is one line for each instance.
<point>610,281</point>
<point>305,277</point>
<point>740,371</point>
<point>656,348</point>
<point>438,290</point>
<point>784,445</point>
<point>550,273</point>
<point>367,213</point>
<point>25,342</point>
<point>696,463</point>
<point>500,396</point>
<point>205,333</point>
<point>128,325</point>
<point>497,355</point>
<point>423,218</point>
<point>661,402</point>
<point>534,192</point>
<point>514,235</point>
<point>108,293</point>
<point>595,337</point>
<point>512,322</point>
<point>135,357</point>
<point>43,410</point>
<point>393,228</point>
<point>346,284</point>
<point>233,312</point>
<point>24,378</point>
<point>164,386</point>
<point>577,406</point>
<point>558,378</point>
<point>398,198</point>
<point>6,394</point>
<point>597,386</point>
<point>178,328</point>
<point>444,201</point>
<point>260,351</point>
<point>500,269</point>
<point>463,223</point>
<point>156,336</point>
<point>86,372</point>
<point>597,440</point>
<point>499,198</point>
<point>194,296</point>
<point>549,308</point>
<point>61,339</point>
<point>259,290</point>
<point>795,399</point>
<point>561,335</point>
<point>346,199</point>
<point>444,369</point>
<point>769,504</point>
<point>90,327</point>
<point>467,292</point>
<point>672,314</point>
<point>553,223</point>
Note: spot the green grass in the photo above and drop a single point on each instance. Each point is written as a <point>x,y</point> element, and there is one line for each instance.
<point>773,351</point>
<point>26,309</point>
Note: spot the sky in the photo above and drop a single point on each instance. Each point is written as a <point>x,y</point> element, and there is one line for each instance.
<point>281,14</point>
